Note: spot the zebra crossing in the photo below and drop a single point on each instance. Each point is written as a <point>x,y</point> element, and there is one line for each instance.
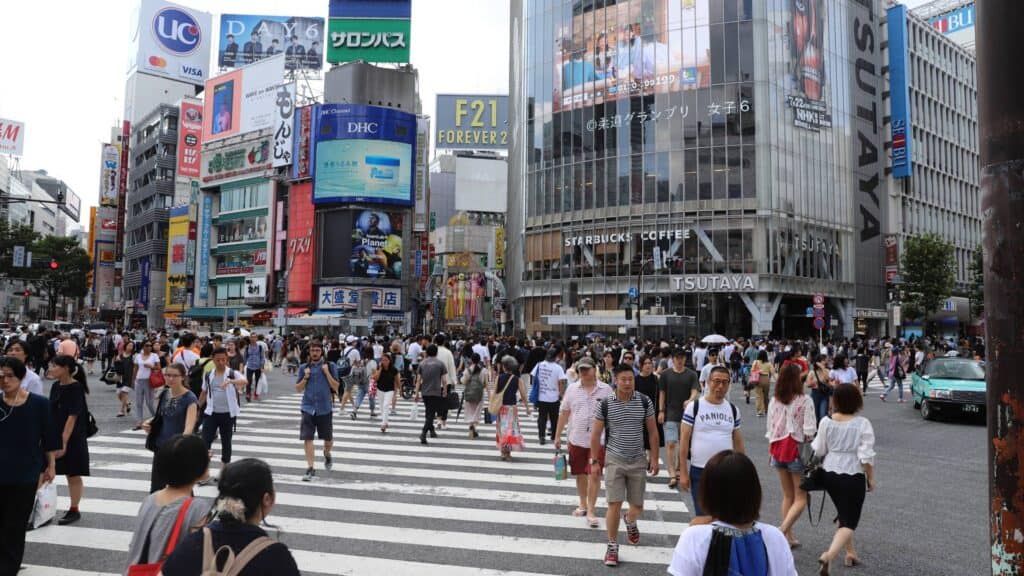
<point>389,506</point>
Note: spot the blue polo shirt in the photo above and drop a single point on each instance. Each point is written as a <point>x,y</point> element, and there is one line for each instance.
<point>316,398</point>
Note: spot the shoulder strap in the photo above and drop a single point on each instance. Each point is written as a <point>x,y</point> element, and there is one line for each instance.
<point>176,531</point>
<point>247,554</point>
<point>735,415</point>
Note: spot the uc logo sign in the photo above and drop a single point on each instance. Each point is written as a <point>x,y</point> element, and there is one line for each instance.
<point>177,31</point>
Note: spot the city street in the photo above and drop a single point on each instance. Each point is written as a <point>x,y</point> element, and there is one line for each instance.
<point>393,507</point>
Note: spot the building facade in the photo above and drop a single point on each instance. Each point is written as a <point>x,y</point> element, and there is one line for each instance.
<point>714,165</point>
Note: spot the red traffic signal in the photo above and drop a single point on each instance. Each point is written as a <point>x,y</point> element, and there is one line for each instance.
<point>26,293</point>
<point>53,264</point>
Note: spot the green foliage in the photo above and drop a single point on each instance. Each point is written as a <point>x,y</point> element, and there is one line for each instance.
<point>11,236</point>
<point>69,279</point>
<point>929,274</point>
<point>976,287</point>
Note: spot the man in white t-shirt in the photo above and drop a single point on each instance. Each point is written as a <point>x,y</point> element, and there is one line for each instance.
<point>551,382</point>
<point>710,424</point>
<point>481,349</point>
<point>700,354</point>
<point>705,371</point>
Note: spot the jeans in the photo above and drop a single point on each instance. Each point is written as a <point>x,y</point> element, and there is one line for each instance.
<point>892,384</point>
<point>385,407</point>
<point>432,406</point>
<point>547,412</point>
<point>253,377</point>
<point>143,400</point>
<point>361,393</point>
<point>695,474</point>
<point>820,401</point>
<point>15,509</point>
<point>219,422</point>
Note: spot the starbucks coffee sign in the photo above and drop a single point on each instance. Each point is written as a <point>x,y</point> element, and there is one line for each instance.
<point>624,237</point>
<point>715,283</point>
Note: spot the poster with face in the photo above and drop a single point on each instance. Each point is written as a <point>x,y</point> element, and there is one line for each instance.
<point>807,94</point>
<point>376,244</point>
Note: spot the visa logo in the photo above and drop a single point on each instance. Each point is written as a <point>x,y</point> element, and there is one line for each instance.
<point>193,71</point>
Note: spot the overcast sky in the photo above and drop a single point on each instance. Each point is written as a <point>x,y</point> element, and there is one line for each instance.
<point>64,63</point>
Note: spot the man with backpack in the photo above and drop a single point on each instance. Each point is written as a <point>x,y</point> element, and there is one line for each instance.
<point>710,424</point>
<point>317,381</point>
<point>624,415</point>
<point>220,393</point>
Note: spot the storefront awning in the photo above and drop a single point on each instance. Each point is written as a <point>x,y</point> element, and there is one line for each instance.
<point>213,312</point>
<point>292,312</point>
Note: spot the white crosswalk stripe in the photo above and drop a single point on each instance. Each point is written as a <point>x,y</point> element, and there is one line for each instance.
<point>389,506</point>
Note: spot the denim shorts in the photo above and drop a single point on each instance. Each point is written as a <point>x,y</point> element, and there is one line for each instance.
<point>796,466</point>
<point>671,432</point>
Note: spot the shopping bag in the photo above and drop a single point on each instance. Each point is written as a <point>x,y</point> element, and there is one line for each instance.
<point>414,412</point>
<point>268,366</point>
<point>561,466</point>
<point>262,387</point>
<point>45,507</point>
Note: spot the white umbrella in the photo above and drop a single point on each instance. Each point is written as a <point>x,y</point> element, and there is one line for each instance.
<point>244,333</point>
<point>715,339</point>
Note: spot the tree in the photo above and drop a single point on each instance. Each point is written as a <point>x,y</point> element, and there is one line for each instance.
<point>68,278</point>
<point>976,288</point>
<point>11,236</point>
<point>929,274</point>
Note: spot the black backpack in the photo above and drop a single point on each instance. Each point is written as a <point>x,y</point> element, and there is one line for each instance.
<point>604,413</point>
<point>195,375</point>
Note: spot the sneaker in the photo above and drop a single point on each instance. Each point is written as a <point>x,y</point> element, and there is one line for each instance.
<point>611,555</point>
<point>69,517</point>
<point>310,473</point>
<point>328,461</point>
<point>632,531</point>
<point>211,479</point>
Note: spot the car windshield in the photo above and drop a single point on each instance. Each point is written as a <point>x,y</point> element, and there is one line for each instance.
<point>955,368</point>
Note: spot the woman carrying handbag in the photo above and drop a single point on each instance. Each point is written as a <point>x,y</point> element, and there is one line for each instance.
<point>760,380</point>
<point>791,422</point>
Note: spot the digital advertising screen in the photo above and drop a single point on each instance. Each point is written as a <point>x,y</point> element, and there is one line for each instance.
<point>363,154</point>
<point>362,244</point>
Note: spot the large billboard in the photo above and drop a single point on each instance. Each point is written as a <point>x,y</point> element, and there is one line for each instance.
<point>363,154</point>
<point>369,30</point>
<point>106,223</point>
<point>899,90</point>
<point>301,224</point>
<point>347,298</point>
<point>190,139</point>
<point>955,21</point>
<point>172,41</point>
<point>808,92</point>
<point>176,297</point>
<point>243,100</point>
<point>12,137</point>
<point>481,184</point>
<point>110,174</point>
<point>472,122</point>
<point>302,147</point>
<point>238,160</point>
<point>246,38</point>
<point>362,244</point>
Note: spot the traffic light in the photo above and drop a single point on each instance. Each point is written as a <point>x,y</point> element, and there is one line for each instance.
<point>53,264</point>
<point>26,293</point>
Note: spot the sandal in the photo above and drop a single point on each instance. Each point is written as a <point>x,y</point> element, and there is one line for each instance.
<point>851,561</point>
<point>579,512</point>
<point>673,482</point>
<point>592,521</point>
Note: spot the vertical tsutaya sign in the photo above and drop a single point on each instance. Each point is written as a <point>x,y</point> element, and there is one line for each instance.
<point>867,152</point>
<point>204,249</point>
<point>808,92</point>
<point>285,125</point>
<point>369,30</point>
<point>190,136</point>
<point>899,89</point>
<point>12,137</point>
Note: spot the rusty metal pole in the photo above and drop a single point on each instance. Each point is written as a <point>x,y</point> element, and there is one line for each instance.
<point>1001,136</point>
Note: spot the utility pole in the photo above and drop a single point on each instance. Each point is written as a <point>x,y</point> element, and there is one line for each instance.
<point>1001,135</point>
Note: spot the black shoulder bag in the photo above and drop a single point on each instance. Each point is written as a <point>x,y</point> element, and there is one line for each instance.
<point>156,424</point>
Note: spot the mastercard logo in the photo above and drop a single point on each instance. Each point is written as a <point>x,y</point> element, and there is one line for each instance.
<point>157,61</point>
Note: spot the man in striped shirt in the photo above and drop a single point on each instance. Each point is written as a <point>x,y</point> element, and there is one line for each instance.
<point>624,414</point>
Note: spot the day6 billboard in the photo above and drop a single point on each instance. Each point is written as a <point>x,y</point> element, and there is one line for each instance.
<point>363,154</point>
<point>243,100</point>
<point>246,38</point>
<point>472,122</point>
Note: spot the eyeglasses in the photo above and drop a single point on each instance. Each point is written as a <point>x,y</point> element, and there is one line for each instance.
<point>624,358</point>
<point>718,382</point>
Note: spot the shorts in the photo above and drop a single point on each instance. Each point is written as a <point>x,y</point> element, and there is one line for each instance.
<point>796,466</point>
<point>579,460</point>
<point>671,432</point>
<point>625,480</point>
<point>322,424</point>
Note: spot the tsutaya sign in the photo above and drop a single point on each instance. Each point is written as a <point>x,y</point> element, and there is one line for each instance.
<point>624,237</point>
<point>715,283</point>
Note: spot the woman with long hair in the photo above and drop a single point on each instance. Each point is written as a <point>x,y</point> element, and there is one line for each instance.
<point>124,366</point>
<point>791,422</point>
<point>819,381</point>
<point>70,414</point>
<point>363,389</point>
<point>899,366</point>
<point>179,409</point>
<point>245,499</point>
<point>388,379</point>
<point>145,362</point>
<point>474,381</point>
<point>765,371</point>
<point>509,384</point>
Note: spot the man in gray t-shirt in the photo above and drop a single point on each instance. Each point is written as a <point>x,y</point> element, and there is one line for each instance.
<point>677,387</point>
<point>430,384</point>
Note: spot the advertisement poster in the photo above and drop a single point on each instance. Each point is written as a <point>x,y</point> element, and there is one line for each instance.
<point>363,154</point>
<point>301,225</point>
<point>808,91</point>
<point>172,41</point>
<point>244,100</point>
<point>190,137</point>
<point>110,174</point>
<point>242,230</point>
<point>242,263</point>
<point>376,245</point>
<point>284,124</point>
<point>472,122</point>
<point>236,161</point>
<point>144,268</point>
<point>247,38</point>
<point>302,146</point>
<point>12,137</point>
<point>177,248</point>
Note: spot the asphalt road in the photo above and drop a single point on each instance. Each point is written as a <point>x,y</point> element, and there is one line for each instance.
<point>926,517</point>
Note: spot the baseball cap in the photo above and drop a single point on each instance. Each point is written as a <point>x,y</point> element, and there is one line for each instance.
<point>585,362</point>
<point>350,339</point>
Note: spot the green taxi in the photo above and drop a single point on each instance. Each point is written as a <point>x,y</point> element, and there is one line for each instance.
<point>949,384</point>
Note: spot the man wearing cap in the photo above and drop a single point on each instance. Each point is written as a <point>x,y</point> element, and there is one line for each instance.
<point>577,409</point>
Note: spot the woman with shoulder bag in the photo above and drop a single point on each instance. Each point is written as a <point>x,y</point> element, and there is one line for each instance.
<point>474,380</point>
<point>791,422</point>
<point>177,413</point>
<point>145,362</point>
<point>506,423</point>
<point>388,379</point>
<point>898,368</point>
<point>846,442</point>
<point>124,367</point>
<point>817,380</point>
<point>761,374</point>
<point>71,415</point>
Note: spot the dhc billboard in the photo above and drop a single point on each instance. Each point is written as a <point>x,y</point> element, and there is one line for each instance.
<point>902,142</point>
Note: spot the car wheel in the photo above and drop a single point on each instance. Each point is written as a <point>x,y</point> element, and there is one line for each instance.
<point>927,412</point>
<point>917,405</point>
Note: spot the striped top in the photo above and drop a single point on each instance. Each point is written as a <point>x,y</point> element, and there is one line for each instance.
<point>625,424</point>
